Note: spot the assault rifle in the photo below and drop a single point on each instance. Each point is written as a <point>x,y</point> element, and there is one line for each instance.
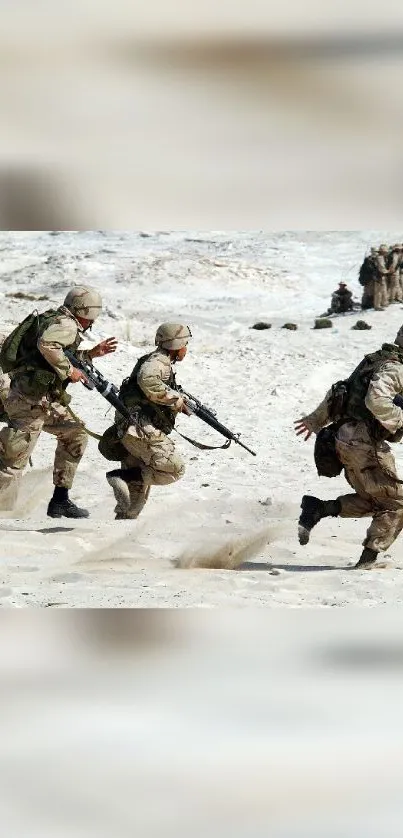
<point>96,381</point>
<point>110,392</point>
<point>210,418</point>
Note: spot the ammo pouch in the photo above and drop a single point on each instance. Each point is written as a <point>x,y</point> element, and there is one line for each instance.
<point>326,458</point>
<point>338,400</point>
<point>37,383</point>
<point>110,446</point>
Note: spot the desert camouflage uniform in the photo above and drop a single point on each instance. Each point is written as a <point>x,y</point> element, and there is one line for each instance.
<point>4,382</point>
<point>393,280</point>
<point>381,298</point>
<point>148,448</point>
<point>370,465</point>
<point>29,417</point>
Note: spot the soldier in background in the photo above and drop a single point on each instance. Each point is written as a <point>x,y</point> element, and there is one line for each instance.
<point>342,300</point>
<point>37,400</point>
<point>393,279</point>
<point>381,298</point>
<point>147,454</point>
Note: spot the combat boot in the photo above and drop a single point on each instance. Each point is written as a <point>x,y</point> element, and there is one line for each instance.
<point>119,480</point>
<point>313,510</point>
<point>367,560</point>
<point>61,506</point>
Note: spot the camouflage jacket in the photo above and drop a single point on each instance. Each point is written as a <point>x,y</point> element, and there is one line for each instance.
<point>384,386</point>
<point>65,331</point>
<point>150,392</point>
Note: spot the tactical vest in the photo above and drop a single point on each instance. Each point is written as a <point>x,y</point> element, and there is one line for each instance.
<point>21,358</point>
<point>160,416</point>
<point>348,397</point>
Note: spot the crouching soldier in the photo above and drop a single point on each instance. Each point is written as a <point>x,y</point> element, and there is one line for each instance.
<point>342,300</point>
<point>147,454</point>
<point>366,412</point>
<point>39,371</point>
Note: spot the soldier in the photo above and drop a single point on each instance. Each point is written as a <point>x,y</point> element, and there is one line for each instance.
<point>147,454</point>
<point>368,418</point>
<point>381,298</point>
<point>368,272</point>
<point>342,300</point>
<point>393,279</point>
<point>40,373</point>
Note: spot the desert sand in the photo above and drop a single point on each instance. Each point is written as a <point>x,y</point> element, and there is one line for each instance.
<point>234,514</point>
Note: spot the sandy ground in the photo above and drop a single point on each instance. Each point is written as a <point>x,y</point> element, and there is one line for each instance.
<point>230,508</point>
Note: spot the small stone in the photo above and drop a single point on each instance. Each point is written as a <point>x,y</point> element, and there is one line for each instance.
<point>261,326</point>
<point>361,325</point>
<point>323,323</point>
<point>291,326</point>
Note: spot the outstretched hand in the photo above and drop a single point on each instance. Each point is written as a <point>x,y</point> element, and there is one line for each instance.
<point>301,428</point>
<point>106,347</point>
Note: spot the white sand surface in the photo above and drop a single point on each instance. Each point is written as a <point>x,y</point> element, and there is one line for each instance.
<point>230,509</point>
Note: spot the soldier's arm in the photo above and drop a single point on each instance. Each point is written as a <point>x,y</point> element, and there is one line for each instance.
<point>381,265</point>
<point>151,380</point>
<point>383,388</point>
<point>318,419</point>
<point>52,343</point>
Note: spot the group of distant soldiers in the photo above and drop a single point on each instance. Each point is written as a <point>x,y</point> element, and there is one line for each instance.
<point>381,275</point>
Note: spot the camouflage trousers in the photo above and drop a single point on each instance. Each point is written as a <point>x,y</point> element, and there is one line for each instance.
<point>394,289</point>
<point>381,297</point>
<point>159,464</point>
<point>371,471</point>
<point>27,420</point>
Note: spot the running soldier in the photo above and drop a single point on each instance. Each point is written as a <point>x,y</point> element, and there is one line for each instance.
<point>33,355</point>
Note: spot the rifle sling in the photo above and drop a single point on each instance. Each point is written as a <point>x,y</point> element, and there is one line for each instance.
<point>201,446</point>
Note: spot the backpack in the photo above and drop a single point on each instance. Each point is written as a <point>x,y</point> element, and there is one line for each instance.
<point>367,271</point>
<point>21,343</point>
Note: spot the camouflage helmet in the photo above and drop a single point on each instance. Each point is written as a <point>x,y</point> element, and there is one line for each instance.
<point>84,302</point>
<point>172,336</point>
<point>374,250</point>
<point>383,248</point>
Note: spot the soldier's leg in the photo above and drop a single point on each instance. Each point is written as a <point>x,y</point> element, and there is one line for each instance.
<point>161,463</point>
<point>72,441</point>
<point>130,491</point>
<point>378,295</point>
<point>151,461</point>
<point>372,472</point>
<point>17,442</point>
<point>368,295</point>
<point>384,294</point>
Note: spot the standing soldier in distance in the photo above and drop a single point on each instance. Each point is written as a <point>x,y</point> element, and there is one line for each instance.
<point>393,280</point>
<point>148,455</point>
<point>381,298</point>
<point>37,400</point>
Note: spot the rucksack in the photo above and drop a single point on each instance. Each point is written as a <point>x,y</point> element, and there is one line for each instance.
<point>367,271</point>
<point>21,343</point>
